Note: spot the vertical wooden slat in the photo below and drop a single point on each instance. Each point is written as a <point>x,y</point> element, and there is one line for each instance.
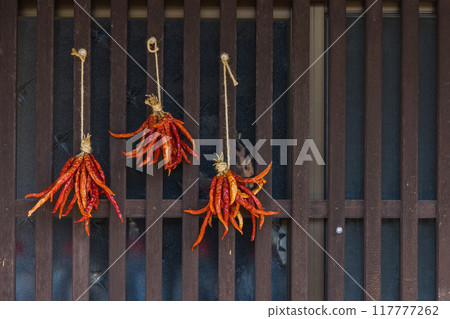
<point>118,110</point>
<point>336,151</point>
<point>8,94</point>
<point>298,275</point>
<point>409,148</point>
<point>227,44</point>
<point>154,184</point>
<point>191,80</point>
<point>317,131</point>
<point>81,247</point>
<point>263,130</point>
<point>443,153</point>
<point>44,143</point>
<point>372,157</point>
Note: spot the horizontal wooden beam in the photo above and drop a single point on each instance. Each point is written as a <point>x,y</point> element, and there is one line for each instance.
<point>135,208</point>
<point>281,9</point>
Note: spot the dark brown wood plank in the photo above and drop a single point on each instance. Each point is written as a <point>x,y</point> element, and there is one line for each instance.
<point>263,130</point>
<point>191,80</point>
<point>154,184</point>
<point>317,208</point>
<point>44,146</point>
<point>81,245</point>
<point>228,27</point>
<point>118,112</point>
<point>409,148</point>
<point>336,147</point>
<point>8,96</point>
<point>372,145</point>
<point>298,275</point>
<point>443,153</point>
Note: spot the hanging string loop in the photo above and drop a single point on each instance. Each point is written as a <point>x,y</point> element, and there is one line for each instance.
<point>224,57</point>
<point>152,42</point>
<point>226,67</point>
<point>85,140</point>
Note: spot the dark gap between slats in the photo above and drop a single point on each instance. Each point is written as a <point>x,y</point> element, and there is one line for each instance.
<point>62,151</point>
<point>354,126</point>
<point>26,154</point>
<point>390,259</point>
<point>62,259</point>
<point>209,129</point>
<point>280,258</point>
<point>25,258</point>
<point>280,125</point>
<point>427,107</point>
<point>98,263</point>
<point>26,107</point>
<point>427,259</point>
<point>280,173</point>
<point>173,84</point>
<point>208,263</point>
<point>245,95</point>
<point>137,111</point>
<point>245,264</point>
<point>354,155</point>
<point>100,90</point>
<point>209,100</point>
<point>354,258</point>
<point>63,96</point>
<point>245,116</point>
<point>391,109</point>
<point>135,264</point>
<point>100,98</point>
<point>171,262</point>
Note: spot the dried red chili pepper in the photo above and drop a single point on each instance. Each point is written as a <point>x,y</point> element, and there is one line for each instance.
<point>227,194</point>
<point>64,193</point>
<point>63,171</point>
<point>83,183</point>
<point>161,127</point>
<point>255,179</point>
<point>202,230</point>
<point>218,201</point>
<point>226,204</point>
<point>83,174</point>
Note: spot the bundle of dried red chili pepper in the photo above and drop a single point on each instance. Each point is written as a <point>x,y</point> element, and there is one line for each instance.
<point>83,174</point>
<point>228,192</point>
<point>160,131</point>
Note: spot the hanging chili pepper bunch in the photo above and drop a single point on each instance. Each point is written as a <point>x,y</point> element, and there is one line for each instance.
<point>160,131</point>
<point>228,192</point>
<point>82,174</point>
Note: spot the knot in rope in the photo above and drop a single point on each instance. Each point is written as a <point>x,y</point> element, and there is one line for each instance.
<point>86,144</point>
<point>220,164</point>
<point>154,102</point>
<point>81,54</point>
